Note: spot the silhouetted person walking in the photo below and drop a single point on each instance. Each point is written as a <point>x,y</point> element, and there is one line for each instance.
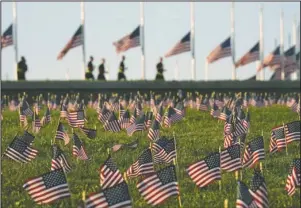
<point>89,71</point>
<point>160,70</point>
<point>101,70</point>
<point>122,68</point>
<point>22,68</point>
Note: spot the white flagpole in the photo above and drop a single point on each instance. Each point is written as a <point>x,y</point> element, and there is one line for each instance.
<point>298,45</point>
<point>15,40</point>
<point>261,42</point>
<point>142,39</point>
<point>294,75</point>
<point>82,6</point>
<point>192,40</point>
<point>282,44</point>
<point>233,41</point>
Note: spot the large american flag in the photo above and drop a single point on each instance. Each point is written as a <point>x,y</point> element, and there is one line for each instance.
<point>205,171</point>
<point>112,124</point>
<point>109,174</point>
<point>76,40</point>
<point>221,51</point>
<point>19,151</point>
<point>244,198</point>
<point>271,60</point>
<point>76,119</point>
<point>78,149</point>
<point>182,46</point>
<point>48,187</point>
<point>156,188</point>
<point>129,41</point>
<point>292,131</point>
<point>62,134</point>
<point>143,166</point>
<point>254,152</point>
<point>59,159</point>
<point>117,196</point>
<point>293,178</point>
<point>164,150</point>
<point>277,141</point>
<point>251,56</point>
<point>7,37</point>
<point>259,191</point>
<point>230,158</point>
<point>154,131</point>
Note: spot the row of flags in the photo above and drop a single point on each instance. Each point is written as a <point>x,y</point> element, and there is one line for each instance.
<point>157,186</point>
<point>223,50</point>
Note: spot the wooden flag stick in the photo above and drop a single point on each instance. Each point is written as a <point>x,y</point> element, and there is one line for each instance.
<point>220,181</point>
<point>179,196</point>
<point>174,137</point>
<point>226,203</point>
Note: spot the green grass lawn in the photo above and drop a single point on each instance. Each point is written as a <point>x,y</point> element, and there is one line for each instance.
<point>196,135</point>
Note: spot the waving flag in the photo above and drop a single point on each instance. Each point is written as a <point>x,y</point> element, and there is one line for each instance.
<point>19,151</point>
<point>272,60</point>
<point>251,56</point>
<point>117,196</point>
<point>180,47</point>
<point>112,124</point>
<point>292,131</point>
<point>221,51</point>
<point>156,188</point>
<point>59,159</point>
<point>124,121</point>
<point>27,138</point>
<point>230,158</point>
<point>104,114</point>
<point>109,174</point>
<point>244,198</point>
<point>164,151</point>
<point>259,191</point>
<point>48,187</point>
<point>277,141</point>
<point>205,171</point>
<point>143,166</point>
<point>62,134</point>
<point>154,131</point>
<point>76,40</point>
<point>63,112</point>
<point>137,126</point>
<point>7,37</point>
<point>90,133</point>
<point>129,41</point>
<point>293,178</point>
<point>254,152</point>
<point>78,149</point>
<point>76,119</point>
<point>36,123</point>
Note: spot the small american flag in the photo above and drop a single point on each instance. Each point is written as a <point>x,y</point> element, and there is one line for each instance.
<point>206,171</point>
<point>7,37</point>
<point>129,41</point>
<point>121,110</point>
<point>148,119</point>
<point>244,198</point>
<point>36,123</point>
<point>19,151</point>
<point>78,149</point>
<point>251,56</point>
<point>133,117</point>
<point>76,40</point>
<point>46,118</point>
<point>159,114</point>
<point>124,121</point>
<point>109,174</point>
<point>154,131</point>
<point>272,60</point>
<point>27,138</point>
<point>76,119</point>
<point>156,188</point>
<point>59,159</point>
<point>230,158</point>
<point>137,126</point>
<point>292,131</point>
<point>277,141</point>
<point>63,112</point>
<point>48,187</point>
<point>221,51</point>
<point>104,114</point>
<point>62,134</point>
<point>224,114</point>
<point>258,190</point>
<point>254,152</point>
<point>204,104</point>
<point>112,124</point>
<point>117,196</point>
<point>293,178</point>
<point>172,116</point>
<point>90,133</point>
<point>23,119</point>
<point>215,112</point>
<point>132,145</point>
<point>25,109</point>
<point>143,166</point>
<point>164,151</point>
<point>180,47</point>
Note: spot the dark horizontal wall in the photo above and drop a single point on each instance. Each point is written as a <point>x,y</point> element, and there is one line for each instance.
<point>33,88</point>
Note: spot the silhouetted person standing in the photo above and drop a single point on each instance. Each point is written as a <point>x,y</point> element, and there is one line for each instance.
<point>121,70</point>
<point>160,70</point>
<point>22,68</point>
<point>101,70</point>
<point>90,68</point>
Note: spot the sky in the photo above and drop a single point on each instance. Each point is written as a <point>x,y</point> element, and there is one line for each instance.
<point>44,28</point>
